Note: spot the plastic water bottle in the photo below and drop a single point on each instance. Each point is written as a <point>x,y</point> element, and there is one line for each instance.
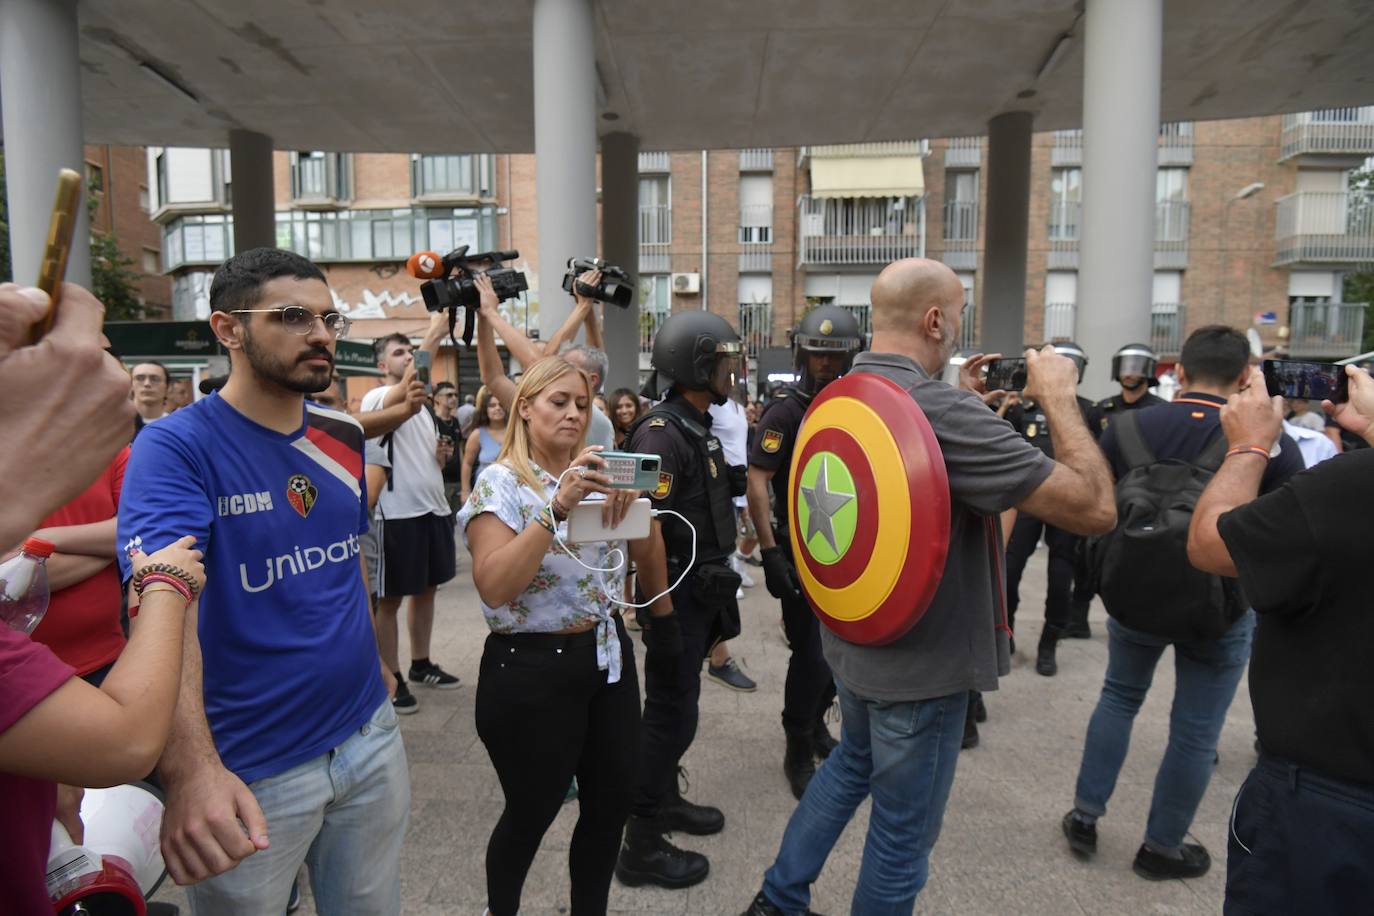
<point>24,585</point>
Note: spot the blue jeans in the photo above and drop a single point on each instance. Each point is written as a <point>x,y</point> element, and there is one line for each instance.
<point>904,755</point>
<point>1206,675</point>
<point>344,813</point>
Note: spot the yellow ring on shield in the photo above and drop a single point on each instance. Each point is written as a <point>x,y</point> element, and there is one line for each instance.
<point>867,593</point>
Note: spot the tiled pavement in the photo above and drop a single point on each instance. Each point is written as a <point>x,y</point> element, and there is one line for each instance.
<point>1000,852</point>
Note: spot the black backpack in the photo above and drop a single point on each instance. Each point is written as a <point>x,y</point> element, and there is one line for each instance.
<point>1141,567</point>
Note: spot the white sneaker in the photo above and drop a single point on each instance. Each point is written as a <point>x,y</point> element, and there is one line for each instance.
<point>737,564</point>
<point>739,594</point>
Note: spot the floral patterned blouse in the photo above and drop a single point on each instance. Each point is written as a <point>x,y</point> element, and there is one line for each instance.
<point>563,593</point>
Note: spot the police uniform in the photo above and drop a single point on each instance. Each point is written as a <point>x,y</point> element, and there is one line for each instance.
<point>1067,589</point>
<point>693,480</point>
<point>809,688</point>
<point>1117,404</point>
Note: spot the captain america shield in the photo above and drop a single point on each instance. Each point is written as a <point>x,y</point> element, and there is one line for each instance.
<point>868,509</point>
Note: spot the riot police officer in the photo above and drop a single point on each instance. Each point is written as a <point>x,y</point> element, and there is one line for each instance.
<point>1133,367</point>
<point>1068,574</point>
<point>696,360</point>
<point>823,346</point>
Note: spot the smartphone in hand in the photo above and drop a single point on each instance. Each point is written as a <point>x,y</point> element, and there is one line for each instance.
<point>423,361</point>
<point>1304,381</point>
<point>58,246</point>
<point>1006,374</point>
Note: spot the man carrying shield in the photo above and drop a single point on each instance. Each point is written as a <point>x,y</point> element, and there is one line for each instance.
<point>823,346</point>
<point>903,693</point>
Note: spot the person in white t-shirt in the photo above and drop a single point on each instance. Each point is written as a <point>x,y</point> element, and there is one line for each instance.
<point>730,423</point>
<point>414,523</point>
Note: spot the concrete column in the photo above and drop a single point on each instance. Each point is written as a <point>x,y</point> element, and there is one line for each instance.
<point>564,146</point>
<point>255,196</point>
<point>1121,76</point>
<point>40,91</point>
<point>620,246</point>
<point>1006,233</point>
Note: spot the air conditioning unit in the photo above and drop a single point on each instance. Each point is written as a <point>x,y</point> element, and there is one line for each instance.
<point>686,284</point>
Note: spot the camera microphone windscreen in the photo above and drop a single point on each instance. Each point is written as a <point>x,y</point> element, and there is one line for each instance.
<point>425,265</point>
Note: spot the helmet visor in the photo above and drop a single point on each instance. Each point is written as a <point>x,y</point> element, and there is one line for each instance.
<point>728,368</point>
<point>1139,365</point>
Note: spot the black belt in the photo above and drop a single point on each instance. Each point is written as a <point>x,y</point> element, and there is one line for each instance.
<point>1297,775</point>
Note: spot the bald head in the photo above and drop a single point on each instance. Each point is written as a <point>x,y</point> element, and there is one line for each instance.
<point>908,288</point>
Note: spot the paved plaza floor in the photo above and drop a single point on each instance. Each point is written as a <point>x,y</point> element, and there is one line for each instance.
<point>1000,852</point>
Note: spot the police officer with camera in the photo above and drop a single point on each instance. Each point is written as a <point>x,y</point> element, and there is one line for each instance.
<point>1133,367</point>
<point>824,345</point>
<point>1067,588</point>
<point>696,360</point>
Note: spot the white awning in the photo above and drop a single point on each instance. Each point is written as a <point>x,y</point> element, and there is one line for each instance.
<point>867,176</point>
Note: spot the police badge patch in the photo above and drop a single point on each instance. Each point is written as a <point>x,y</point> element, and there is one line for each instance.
<point>665,484</point>
<point>772,441</point>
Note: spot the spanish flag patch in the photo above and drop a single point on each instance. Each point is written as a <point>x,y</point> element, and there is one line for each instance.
<point>665,484</point>
<point>772,441</point>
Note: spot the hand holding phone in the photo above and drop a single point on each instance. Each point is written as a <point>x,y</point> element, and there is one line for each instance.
<point>423,362</point>
<point>1304,381</point>
<point>58,246</point>
<point>1006,374</point>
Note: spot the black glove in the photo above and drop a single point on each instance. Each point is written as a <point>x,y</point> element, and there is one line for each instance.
<point>780,575</point>
<point>663,637</point>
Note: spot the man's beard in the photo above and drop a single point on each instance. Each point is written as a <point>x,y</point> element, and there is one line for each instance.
<point>293,375</point>
<point>949,342</point>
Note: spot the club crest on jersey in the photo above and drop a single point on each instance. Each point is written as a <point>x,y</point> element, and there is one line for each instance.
<point>665,484</point>
<point>772,441</point>
<point>301,494</point>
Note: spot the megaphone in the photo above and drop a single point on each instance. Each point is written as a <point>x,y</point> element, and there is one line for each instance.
<point>120,863</point>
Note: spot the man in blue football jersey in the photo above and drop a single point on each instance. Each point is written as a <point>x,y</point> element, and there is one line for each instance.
<point>284,728</point>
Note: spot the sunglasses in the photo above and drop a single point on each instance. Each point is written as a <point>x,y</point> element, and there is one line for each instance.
<point>298,319</point>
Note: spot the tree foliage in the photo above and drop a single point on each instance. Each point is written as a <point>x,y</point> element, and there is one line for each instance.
<point>114,279</point>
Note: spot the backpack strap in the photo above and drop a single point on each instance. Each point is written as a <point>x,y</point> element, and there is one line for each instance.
<point>1134,451</point>
<point>1214,454</point>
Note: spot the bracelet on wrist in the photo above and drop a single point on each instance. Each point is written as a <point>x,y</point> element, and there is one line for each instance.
<point>1249,450</point>
<point>544,521</point>
<point>556,509</point>
<point>155,587</point>
<point>166,569</point>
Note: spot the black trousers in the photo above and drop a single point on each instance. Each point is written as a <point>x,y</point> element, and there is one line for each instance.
<point>1066,584</point>
<point>672,691</point>
<point>809,688</point>
<point>1299,842</point>
<point>546,713</point>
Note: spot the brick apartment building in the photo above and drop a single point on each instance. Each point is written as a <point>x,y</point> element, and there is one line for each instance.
<point>1255,227</point>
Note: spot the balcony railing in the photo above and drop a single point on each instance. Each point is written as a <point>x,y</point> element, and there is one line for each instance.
<point>756,160</point>
<point>863,230</point>
<point>961,234</point>
<point>1325,329</point>
<point>968,325</point>
<point>863,314</point>
<point>964,153</point>
<point>756,224</point>
<point>653,162</point>
<point>1060,318</point>
<point>1339,131</point>
<point>1068,148</point>
<point>655,225</point>
<point>1065,216</point>
<point>756,326</point>
<point>1332,227</point>
<point>1176,143</point>
<point>1166,327</point>
<point>1171,234</point>
<point>463,177</point>
<point>651,318</point>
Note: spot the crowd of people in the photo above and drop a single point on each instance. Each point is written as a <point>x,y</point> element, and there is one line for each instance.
<point>228,575</point>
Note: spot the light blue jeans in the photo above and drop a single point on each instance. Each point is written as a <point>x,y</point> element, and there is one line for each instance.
<point>1206,674</point>
<point>904,755</point>
<point>344,814</point>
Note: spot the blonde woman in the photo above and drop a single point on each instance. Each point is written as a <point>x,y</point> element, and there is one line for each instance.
<point>557,695</point>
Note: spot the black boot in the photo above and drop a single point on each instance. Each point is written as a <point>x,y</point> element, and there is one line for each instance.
<point>797,763</point>
<point>647,858</point>
<point>681,816</point>
<point>1078,622</point>
<point>1045,663</point>
<point>822,743</point>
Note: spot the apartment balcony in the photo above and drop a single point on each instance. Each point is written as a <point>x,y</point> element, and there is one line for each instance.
<point>961,234</point>
<point>1065,217</point>
<point>1171,234</point>
<point>1068,148</point>
<point>655,234</point>
<point>755,160</point>
<point>1167,320</point>
<point>755,327</point>
<point>1060,319</point>
<point>1325,329</point>
<point>1176,143</point>
<point>968,327</point>
<point>861,230</point>
<point>1334,131</point>
<point>452,179</point>
<point>651,318</point>
<point>653,162</point>
<point>1325,227</point>
<point>964,153</point>
<point>199,240</point>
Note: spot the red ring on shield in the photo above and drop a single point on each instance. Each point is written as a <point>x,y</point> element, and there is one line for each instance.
<point>855,560</point>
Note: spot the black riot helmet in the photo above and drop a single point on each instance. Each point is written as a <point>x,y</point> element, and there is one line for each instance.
<point>825,329</point>
<point>1074,352</point>
<point>1135,359</point>
<point>700,352</point>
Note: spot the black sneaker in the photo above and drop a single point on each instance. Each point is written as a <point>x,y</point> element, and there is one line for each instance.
<point>432,675</point>
<point>762,906</point>
<point>970,734</point>
<point>1045,663</point>
<point>729,675</point>
<point>404,701</point>
<point>1078,631</point>
<point>1081,835</point>
<point>980,709</point>
<point>1154,866</point>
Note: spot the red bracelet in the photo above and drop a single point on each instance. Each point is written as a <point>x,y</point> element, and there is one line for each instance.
<point>173,581</point>
<point>1249,450</point>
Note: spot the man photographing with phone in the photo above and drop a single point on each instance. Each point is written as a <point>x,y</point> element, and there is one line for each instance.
<point>1299,833</point>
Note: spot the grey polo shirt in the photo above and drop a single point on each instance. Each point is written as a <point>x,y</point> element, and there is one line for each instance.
<point>961,642</point>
